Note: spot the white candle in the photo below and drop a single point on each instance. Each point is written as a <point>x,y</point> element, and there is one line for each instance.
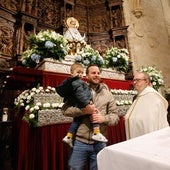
<point>4,117</point>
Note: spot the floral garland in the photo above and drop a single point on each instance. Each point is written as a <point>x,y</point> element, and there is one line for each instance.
<point>123,92</point>
<point>155,76</point>
<point>123,102</point>
<point>26,100</point>
<point>117,58</point>
<point>89,56</point>
<point>123,97</point>
<point>45,44</point>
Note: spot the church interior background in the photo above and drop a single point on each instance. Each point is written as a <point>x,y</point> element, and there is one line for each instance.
<point>142,27</point>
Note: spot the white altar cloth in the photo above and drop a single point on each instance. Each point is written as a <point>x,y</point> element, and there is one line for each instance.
<point>147,152</point>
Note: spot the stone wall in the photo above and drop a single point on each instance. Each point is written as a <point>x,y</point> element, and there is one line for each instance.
<point>149,34</point>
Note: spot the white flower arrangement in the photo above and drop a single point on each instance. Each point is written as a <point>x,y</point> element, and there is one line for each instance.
<point>123,92</point>
<point>49,44</point>
<point>123,97</point>
<point>45,44</point>
<point>155,76</point>
<point>123,102</point>
<point>26,100</point>
<point>88,55</point>
<point>117,58</point>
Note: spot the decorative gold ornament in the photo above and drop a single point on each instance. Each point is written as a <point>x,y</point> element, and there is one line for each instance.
<point>71,22</point>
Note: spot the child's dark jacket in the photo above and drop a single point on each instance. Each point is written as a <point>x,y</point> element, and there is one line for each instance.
<point>75,91</point>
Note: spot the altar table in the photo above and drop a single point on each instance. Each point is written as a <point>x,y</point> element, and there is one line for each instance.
<point>29,77</point>
<point>147,152</point>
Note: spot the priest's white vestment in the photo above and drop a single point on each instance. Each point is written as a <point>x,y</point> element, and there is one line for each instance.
<point>147,113</point>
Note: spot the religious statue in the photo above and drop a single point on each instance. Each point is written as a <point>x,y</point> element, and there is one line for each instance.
<point>75,40</point>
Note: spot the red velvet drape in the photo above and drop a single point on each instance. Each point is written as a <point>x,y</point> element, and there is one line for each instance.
<point>116,134</point>
<point>54,79</point>
<point>42,148</point>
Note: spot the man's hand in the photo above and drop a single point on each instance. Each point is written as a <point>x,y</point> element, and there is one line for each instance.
<point>89,109</point>
<point>97,117</point>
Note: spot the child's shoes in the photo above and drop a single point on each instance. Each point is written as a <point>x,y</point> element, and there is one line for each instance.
<point>99,137</point>
<point>68,141</point>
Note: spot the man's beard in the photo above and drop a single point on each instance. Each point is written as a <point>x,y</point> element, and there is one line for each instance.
<point>95,83</point>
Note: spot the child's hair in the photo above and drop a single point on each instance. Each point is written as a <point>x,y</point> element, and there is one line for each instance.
<point>75,65</point>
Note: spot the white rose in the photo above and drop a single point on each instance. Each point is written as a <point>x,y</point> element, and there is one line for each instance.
<point>27,107</point>
<point>40,88</point>
<point>34,89</point>
<point>49,87</point>
<point>55,105</point>
<point>36,107</point>
<point>126,102</point>
<point>31,116</point>
<point>61,105</point>
<point>46,105</point>
<point>53,89</point>
<point>38,104</point>
<point>28,97</point>
<point>37,91</point>
<point>32,109</point>
<point>118,56</point>
<point>154,83</point>
<point>117,102</point>
<point>47,90</point>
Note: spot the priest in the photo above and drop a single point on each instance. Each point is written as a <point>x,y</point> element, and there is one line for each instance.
<point>149,109</point>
